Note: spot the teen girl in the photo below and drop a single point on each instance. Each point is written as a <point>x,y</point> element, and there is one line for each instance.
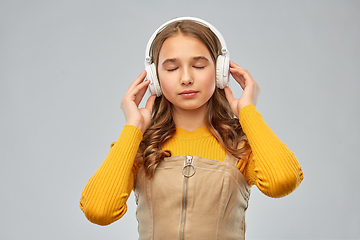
<point>193,152</point>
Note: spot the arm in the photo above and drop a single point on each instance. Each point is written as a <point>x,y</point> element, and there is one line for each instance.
<point>272,167</point>
<point>103,200</point>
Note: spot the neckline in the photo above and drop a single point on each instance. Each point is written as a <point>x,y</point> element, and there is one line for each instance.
<point>197,133</point>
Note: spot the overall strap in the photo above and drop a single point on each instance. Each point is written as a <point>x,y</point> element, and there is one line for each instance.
<point>231,160</point>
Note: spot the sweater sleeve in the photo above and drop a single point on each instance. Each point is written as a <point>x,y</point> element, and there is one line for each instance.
<point>272,167</point>
<point>104,197</point>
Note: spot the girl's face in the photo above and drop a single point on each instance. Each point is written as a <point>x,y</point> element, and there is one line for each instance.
<point>186,72</point>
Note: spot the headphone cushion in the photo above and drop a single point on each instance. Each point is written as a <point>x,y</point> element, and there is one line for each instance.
<point>222,71</point>
<point>154,85</point>
<point>219,71</point>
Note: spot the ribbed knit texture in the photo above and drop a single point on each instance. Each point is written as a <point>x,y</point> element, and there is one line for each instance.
<point>274,168</point>
<point>197,143</point>
<point>271,165</point>
<point>104,198</point>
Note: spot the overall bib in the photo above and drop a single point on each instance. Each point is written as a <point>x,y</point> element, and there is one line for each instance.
<point>192,198</point>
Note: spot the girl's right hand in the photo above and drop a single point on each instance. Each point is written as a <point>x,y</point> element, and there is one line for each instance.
<point>139,118</point>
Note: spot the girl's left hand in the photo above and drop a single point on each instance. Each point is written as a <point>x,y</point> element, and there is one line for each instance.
<point>247,83</point>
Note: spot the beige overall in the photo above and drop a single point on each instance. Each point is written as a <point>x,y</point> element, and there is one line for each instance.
<point>192,198</point>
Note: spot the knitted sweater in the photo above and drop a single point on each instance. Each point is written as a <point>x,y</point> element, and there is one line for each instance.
<point>271,166</point>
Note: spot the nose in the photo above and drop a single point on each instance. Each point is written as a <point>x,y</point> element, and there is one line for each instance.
<point>186,81</point>
<point>186,78</point>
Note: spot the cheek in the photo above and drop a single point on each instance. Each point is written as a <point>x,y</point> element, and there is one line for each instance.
<point>209,80</point>
<point>165,84</point>
<point>211,88</point>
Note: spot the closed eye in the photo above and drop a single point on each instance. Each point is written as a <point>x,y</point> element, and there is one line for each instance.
<point>171,69</point>
<point>199,67</point>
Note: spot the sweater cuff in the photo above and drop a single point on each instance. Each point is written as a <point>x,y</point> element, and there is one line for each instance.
<point>252,122</point>
<point>130,136</point>
<point>246,113</point>
<point>131,133</point>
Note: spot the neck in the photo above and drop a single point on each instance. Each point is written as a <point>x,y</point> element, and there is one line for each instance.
<point>190,120</point>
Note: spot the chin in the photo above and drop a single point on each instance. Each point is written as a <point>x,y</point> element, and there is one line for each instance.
<point>192,107</point>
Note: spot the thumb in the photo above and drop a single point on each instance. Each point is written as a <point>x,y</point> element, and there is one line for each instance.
<point>150,102</point>
<point>229,94</point>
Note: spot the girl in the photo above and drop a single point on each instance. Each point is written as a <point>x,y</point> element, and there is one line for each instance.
<point>193,152</point>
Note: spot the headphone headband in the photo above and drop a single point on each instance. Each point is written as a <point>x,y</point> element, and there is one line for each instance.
<point>222,61</point>
<point>224,50</point>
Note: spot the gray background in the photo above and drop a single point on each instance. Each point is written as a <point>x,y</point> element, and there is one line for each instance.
<point>65,65</point>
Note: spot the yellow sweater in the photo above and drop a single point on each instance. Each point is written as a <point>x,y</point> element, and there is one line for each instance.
<point>272,167</point>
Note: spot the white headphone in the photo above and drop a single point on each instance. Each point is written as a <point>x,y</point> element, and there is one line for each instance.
<point>222,61</point>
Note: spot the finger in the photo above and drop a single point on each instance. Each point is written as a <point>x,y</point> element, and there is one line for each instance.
<point>140,91</point>
<point>236,68</point>
<point>136,89</point>
<point>234,65</point>
<point>238,77</point>
<point>241,74</point>
<point>240,71</point>
<point>150,102</point>
<point>136,94</point>
<point>229,94</point>
<point>138,80</point>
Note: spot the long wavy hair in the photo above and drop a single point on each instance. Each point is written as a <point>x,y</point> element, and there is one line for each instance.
<point>220,120</point>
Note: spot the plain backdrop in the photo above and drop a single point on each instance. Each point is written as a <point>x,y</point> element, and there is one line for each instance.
<point>65,65</point>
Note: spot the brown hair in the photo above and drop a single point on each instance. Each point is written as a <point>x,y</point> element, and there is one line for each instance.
<point>220,119</point>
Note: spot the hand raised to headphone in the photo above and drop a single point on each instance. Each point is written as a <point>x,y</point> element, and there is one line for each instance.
<point>247,83</point>
<point>139,118</point>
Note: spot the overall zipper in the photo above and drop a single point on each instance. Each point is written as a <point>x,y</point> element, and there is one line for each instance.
<point>187,175</point>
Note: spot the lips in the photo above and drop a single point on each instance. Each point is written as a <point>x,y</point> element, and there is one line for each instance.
<point>188,93</point>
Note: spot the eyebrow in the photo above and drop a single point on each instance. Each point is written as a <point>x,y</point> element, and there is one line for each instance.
<point>173,60</point>
<point>200,58</point>
<point>169,60</point>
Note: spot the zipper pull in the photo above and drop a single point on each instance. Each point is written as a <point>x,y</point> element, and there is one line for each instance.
<point>188,166</point>
<point>189,159</point>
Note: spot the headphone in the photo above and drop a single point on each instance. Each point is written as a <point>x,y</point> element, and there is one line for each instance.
<point>222,61</point>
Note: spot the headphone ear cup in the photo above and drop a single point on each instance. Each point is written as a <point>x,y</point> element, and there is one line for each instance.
<point>222,71</point>
<point>219,67</point>
<point>154,85</point>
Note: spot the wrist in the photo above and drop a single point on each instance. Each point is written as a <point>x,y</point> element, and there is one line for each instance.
<point>244,104</point>
<point>137,125</point>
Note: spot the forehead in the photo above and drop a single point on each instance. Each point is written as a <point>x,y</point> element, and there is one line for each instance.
<point>183,46</point>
